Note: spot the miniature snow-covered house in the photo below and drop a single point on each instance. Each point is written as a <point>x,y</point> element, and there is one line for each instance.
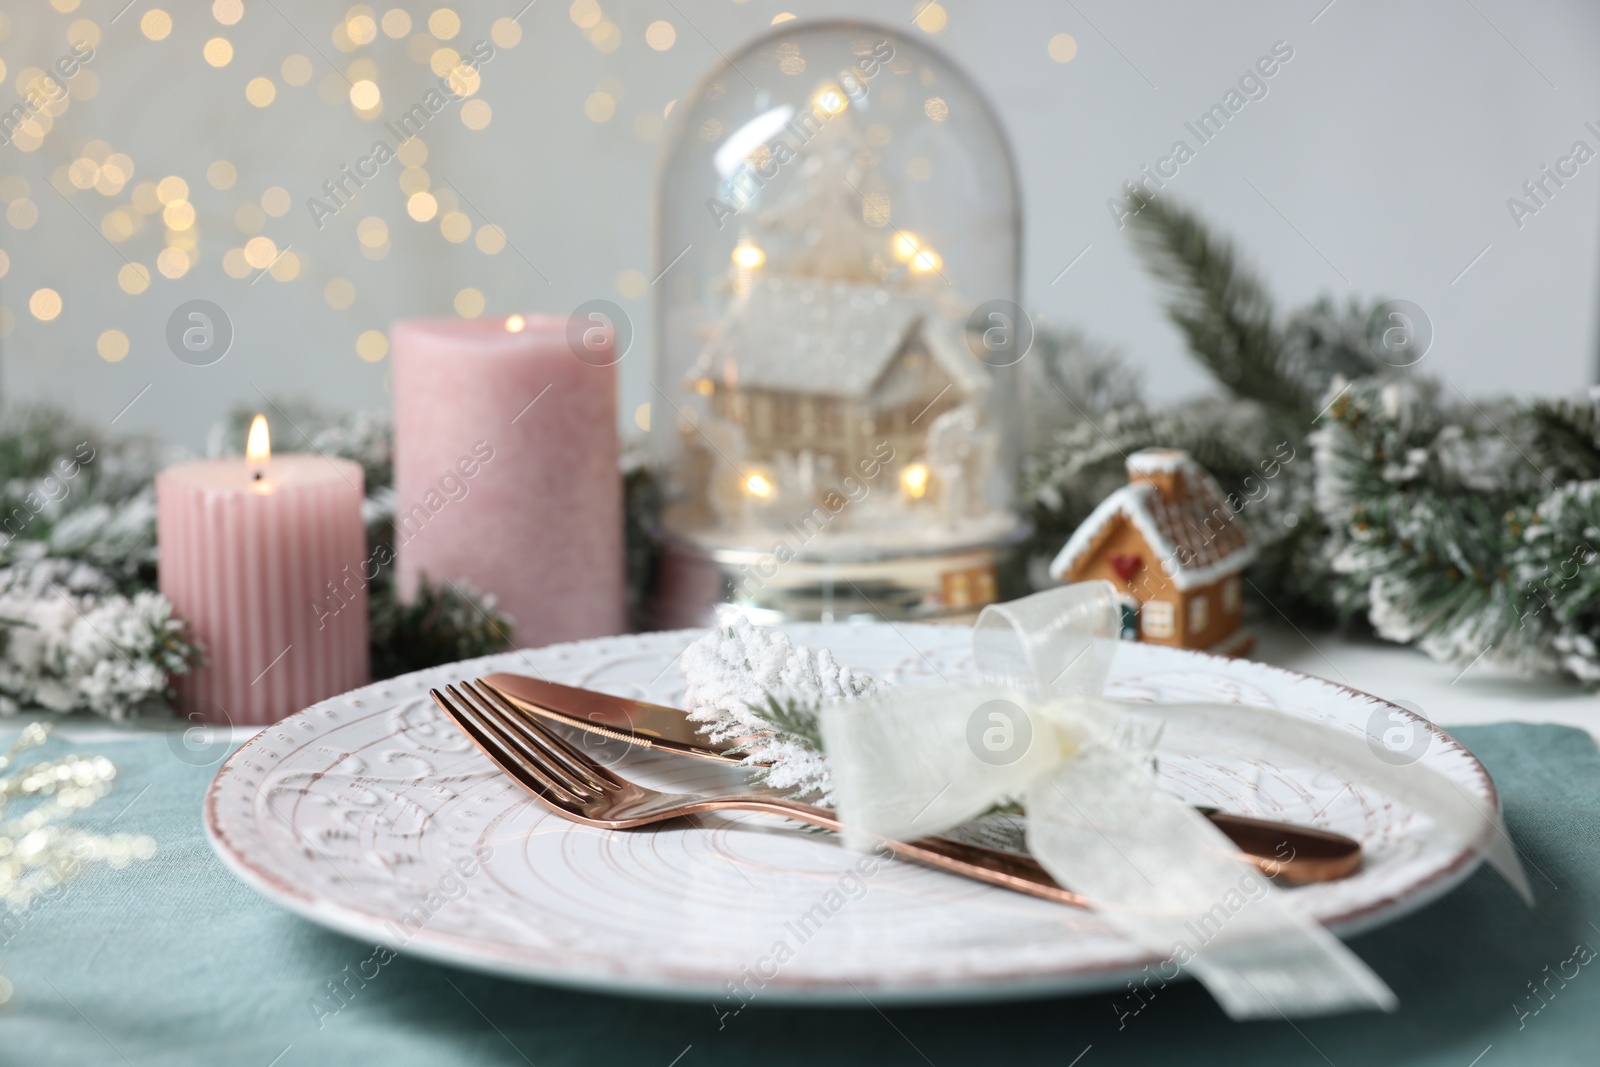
<point>834,371</point>
<point>1174,549</point>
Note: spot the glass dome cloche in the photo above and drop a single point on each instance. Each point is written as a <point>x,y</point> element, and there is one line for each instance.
<point>836,382</point>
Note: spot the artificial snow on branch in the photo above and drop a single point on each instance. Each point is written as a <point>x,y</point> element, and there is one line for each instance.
<point>1467,529</point>
<point>753,683</point>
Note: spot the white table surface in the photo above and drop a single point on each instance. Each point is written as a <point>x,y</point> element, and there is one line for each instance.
<point>1446,693</point>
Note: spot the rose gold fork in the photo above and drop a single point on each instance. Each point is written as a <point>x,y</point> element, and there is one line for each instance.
<point>578,787</point>
<point>573,784</point>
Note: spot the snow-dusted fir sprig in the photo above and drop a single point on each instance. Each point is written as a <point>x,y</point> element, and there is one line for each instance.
<point>68,643</point>
<point>753,683</point>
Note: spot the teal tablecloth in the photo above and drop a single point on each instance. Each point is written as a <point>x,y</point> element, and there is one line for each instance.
<point>175,962</point>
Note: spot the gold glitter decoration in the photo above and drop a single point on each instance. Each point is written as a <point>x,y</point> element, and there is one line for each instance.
<point>607,37</point>
<point>172,188</point>
<point>114,174</point>
<point>444,24</point>
<point>112,346</point>
<point>117,225</point>
<point>156,24</point>
<point>178,215</point>
<point>86,31</point>
<point>218,51</point>
<point>339,293</point>
<point>396,22</point>
<point>259,252</point>
<point>372,345</point>
<point>222,174</point>
<point>83,173</point>
<point>372,231</point>
<point>22,214</point>
<point>491,239</point>
<point>931,18</point>
<point>476,114</point>
<point>286,268</point>
<point>444,60</point>
<point>455,227</point>
<point>422,206</point>
<point>45,304</point>
<point>133,278</point>
<point>585,13</point>
<point>599,107</point>
<point>660,35</point>
<point>296,69</point>
<point>364,95</point>
<point>260,91</point>
<point>173,262</point>
<point>505,32</point>
<point>361,29</point>
<point>414,180</point>
<point>464,80</point>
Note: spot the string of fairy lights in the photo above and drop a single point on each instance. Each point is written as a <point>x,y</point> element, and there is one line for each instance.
<point>157,222</point>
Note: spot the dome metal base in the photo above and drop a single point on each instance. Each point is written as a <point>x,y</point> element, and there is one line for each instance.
<point>691,582</point>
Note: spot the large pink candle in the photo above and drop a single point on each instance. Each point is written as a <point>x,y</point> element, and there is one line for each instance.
<point>250,552</point>
<point>506,473</point>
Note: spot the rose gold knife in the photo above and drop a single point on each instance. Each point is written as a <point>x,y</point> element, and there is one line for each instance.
<point>633,721</point>
<point>1318,855</point>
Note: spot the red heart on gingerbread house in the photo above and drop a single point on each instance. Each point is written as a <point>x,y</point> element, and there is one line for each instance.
<point>1126,564</point>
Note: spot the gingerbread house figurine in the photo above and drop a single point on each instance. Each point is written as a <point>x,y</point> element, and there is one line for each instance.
<point>1174,549</point>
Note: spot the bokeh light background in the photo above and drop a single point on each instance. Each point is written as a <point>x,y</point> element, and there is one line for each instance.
<point>180,163</point>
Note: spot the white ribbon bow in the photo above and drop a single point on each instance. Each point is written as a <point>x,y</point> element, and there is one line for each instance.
<point>916,761</point>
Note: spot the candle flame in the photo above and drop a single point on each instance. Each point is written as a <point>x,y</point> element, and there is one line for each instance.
<point>758,486</point>
<point>258,447</point>
<point>515,324</point>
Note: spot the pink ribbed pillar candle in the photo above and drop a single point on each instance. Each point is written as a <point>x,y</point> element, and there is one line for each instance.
<point>268,574</point>
<point>506,475</point>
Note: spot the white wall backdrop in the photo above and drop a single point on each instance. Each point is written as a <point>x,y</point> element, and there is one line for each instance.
<point>1380,161</point>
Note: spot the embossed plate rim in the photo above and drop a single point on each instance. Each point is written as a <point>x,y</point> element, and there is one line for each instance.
<point>503,960</point>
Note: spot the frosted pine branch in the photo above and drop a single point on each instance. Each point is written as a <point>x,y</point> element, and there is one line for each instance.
<point>751,682</point>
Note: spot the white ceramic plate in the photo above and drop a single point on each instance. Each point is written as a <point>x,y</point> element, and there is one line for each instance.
<point>363,813</point>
